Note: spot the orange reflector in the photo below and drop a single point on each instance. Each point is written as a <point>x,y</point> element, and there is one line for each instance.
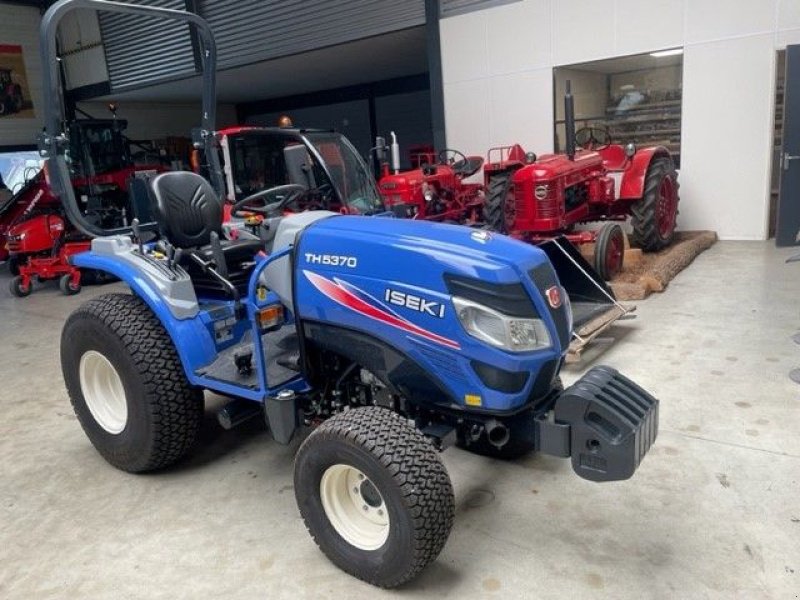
<point>269,317</point>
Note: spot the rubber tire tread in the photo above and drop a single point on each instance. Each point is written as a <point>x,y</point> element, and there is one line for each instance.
<point>601,248</point>
<point>414,466</point>
<point>172,409</point>
<point>64,284</point>
<point>16,289</point>
<point>494,204</point>
<point>644,218</point>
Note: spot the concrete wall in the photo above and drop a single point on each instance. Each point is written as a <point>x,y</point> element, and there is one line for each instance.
<point>20,26</point>
<point>498,85</point>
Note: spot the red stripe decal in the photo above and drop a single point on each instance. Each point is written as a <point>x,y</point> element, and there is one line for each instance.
<point>336,292</point>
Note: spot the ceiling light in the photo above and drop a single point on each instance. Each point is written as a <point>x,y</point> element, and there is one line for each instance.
<point>663,53</point>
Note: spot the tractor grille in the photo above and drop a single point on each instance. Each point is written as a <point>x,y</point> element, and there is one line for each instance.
<point>547,208</point>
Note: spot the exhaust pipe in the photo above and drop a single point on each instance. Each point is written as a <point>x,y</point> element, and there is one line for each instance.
<point>569,121</point>
<point>395,154</point>
<point>497,433</point>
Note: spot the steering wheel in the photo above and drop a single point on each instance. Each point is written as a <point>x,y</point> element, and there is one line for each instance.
<point>448,156</point>
<point>291,191</point>
<point>592,138</point>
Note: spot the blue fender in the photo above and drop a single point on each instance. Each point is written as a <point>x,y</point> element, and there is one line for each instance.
<point>192,340</point>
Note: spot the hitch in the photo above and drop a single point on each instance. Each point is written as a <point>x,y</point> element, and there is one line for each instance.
<point>604,422</point>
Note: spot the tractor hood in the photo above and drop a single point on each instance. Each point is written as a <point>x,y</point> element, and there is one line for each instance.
<point>375,288</point>
<point>421,251</point>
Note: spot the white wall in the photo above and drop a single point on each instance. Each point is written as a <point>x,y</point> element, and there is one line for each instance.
<point>156,121</point>
<point>81,49</point>
<point>498,85</point>
<point>20,26</point>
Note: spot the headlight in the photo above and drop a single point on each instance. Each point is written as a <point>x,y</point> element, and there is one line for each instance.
<point>495,328</point>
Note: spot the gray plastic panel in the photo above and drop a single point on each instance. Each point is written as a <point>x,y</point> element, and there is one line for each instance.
<point>172,284</point>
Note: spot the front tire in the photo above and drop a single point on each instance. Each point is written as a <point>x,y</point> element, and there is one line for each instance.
<point>127,385</point>
<point>609,251</point>
<point>67,287</point>
<point>375,495</point>
<point>18,288</point>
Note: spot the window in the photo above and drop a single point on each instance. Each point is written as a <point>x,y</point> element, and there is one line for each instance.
<point>17,168</point>
<point>636,98</point>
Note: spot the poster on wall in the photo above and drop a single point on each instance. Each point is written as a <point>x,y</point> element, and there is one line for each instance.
<point>15,95</point>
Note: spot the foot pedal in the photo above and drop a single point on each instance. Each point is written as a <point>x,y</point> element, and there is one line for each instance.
<point>243,359</point>
<point>291,362</point>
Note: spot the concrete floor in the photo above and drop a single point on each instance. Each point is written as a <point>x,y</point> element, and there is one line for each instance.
<point>714,511</point>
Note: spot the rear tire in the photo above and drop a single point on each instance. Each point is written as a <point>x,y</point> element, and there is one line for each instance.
<point>18,289</point>
<point>609,251</point>
<point>499,210</point>
<point>127,385</point>
<point>374,495</point>
<point>654,216</point>
<point>67,287</point>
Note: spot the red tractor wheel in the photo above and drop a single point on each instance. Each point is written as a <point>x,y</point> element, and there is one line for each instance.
<point>609,251</point>
<point>654,216</point>
<point>18,288</point>
<point>500,207</point>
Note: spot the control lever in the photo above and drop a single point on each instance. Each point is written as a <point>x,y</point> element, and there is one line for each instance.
<point>137,234</point>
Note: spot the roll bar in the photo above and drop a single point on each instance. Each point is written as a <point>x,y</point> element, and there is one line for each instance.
<point>53,141</point>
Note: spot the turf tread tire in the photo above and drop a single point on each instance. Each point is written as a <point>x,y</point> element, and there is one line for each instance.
<point>171,409</point>
<point>644,213</point>
<point>414,466</point>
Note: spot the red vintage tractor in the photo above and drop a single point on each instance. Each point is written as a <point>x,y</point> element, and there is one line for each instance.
<point>536,199</point>
<point>435,189</point>
<point>36,238</point>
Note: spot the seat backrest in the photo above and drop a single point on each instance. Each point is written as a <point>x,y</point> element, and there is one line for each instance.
<point>187,208</point>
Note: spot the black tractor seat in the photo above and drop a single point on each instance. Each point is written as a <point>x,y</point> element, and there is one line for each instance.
<point>189,215</point>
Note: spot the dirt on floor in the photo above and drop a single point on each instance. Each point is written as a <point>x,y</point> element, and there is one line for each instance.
<point>645,273</point>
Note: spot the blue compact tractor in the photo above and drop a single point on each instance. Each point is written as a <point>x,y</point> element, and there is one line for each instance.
<point>380,341</point>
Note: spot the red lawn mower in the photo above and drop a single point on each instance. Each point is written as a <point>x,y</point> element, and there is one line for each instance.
<point>43,241</point>
<point>537,199</point>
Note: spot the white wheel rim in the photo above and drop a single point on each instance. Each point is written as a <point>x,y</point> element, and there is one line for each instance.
<point>354,507</point>
<point>103,392</point>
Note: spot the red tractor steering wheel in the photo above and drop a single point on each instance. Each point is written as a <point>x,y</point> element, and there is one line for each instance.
<point>592,138</point>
